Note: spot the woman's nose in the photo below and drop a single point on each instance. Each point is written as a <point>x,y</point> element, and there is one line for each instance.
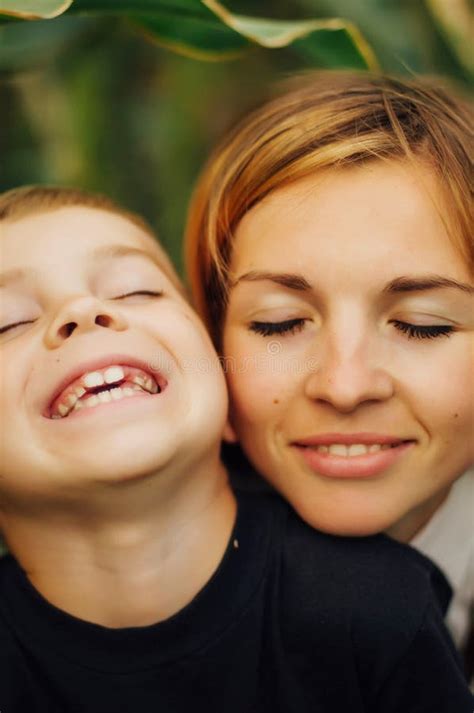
<point>346,376</point>
<point>81,315</point>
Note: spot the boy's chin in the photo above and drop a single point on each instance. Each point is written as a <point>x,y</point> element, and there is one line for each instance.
<point>127,464</point>
<point>138,455</point>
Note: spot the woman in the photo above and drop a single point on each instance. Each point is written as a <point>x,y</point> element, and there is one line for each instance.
<point>330,251</point>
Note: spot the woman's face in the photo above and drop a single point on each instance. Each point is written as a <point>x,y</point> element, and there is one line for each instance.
<point>349,346</point>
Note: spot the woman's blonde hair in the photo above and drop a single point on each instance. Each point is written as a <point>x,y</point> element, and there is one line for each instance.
<point>326,120</point>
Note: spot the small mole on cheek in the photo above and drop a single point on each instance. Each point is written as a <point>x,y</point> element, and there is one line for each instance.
<point>276,401</point>
<point>456,415</point>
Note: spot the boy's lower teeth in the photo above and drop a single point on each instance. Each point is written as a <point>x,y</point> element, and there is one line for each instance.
<point>115,394</point>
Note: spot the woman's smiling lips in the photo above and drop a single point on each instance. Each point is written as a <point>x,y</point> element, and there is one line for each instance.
<point>353,455</point>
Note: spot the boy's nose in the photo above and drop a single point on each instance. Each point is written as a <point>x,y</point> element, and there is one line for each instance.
<point>82,315</point>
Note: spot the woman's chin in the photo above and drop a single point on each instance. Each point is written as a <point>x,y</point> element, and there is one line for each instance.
<point>346,521</point>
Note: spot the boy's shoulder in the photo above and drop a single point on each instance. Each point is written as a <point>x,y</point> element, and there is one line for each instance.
<point>370,609</point>
<point>372,584</point>
<point>355,559</point>
<point>380,602</point>
<point>8,567</point>
<point>363,577</point>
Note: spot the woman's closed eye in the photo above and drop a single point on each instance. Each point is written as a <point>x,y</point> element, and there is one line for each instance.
<point>287,326</point>
<point>412,331</point>
<point>423,331</point>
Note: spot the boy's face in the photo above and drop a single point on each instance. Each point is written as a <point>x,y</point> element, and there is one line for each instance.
<point>95,312</point>
<point>353,383</point>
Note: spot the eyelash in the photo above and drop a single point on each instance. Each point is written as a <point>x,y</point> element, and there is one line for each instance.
<point>15,324</point>
<point>139,292</point>
<point>423,331</point>
<point>413,331</point>
<point>268,329</point>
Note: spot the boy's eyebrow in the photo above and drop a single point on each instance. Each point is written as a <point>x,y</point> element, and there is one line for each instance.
<point>426,282</point>
<point>106,251</point>
<point>103,251</point>
<point>158,257</point>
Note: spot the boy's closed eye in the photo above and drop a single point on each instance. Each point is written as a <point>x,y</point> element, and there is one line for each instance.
<point>128,295</point>
<point>8,327</point>
<point>17,308</point>
<point>139,293</point>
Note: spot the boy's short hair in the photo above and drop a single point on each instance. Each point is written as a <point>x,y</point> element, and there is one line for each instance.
<point>26,200</point>
<point>328,119</point>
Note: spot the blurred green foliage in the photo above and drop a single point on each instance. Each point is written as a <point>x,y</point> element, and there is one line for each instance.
<point>87,101</point>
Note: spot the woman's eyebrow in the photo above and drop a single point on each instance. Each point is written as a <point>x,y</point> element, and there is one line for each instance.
<point>286,279</point>
<point>425,282</point>
<point>416,283</point>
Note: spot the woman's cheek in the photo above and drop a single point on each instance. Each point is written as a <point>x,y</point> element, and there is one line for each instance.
<point>443,390</point>
<point>451,412</point>
<point>255,389</point>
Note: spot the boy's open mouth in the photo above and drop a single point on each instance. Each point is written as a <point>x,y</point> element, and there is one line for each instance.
<point>100,386</point>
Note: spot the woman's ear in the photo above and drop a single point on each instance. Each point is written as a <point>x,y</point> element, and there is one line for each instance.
<point>229,435</point>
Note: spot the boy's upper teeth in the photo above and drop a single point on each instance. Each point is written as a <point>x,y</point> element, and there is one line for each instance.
<point>355,449</point>
<point>109,376</point>
<point>135,379</point>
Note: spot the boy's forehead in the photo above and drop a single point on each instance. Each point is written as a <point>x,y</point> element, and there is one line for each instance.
<point>95,232</point>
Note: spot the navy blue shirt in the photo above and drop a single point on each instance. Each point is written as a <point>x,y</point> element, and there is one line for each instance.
<point>292,621</point>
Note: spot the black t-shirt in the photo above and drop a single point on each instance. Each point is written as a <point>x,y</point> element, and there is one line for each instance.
<point>292,621</point>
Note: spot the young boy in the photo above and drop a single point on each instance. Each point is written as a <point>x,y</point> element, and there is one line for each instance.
<point>136,582</point>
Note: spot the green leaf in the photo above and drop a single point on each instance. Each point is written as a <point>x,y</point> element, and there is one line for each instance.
<point>456,21</point>
<point>184,26</point>
<point>203,39</point>
<point>26,45</point>
<point>329,42</point>
<point>34,9</point>
<point>205,29</point>
<point>333,42</point>
<point>335,48</point>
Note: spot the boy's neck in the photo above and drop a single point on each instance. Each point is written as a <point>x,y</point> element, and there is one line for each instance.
<point>137,561</point>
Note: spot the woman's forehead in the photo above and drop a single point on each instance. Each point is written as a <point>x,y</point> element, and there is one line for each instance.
<point>347,216</point>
